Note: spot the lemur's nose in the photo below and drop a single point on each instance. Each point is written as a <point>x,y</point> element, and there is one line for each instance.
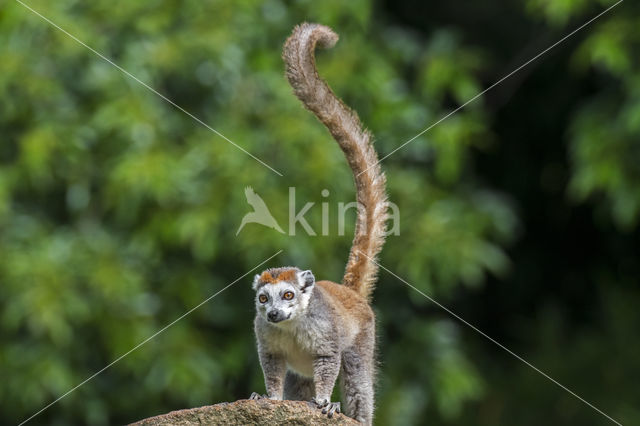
<point>272,315</point>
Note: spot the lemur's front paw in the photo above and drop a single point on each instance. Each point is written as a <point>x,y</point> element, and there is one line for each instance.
<point>327,407</point>
<point>255,395</point>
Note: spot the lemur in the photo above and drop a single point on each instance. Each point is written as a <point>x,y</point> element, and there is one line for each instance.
<point>309,331</point>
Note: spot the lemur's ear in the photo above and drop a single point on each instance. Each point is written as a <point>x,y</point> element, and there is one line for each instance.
<point>256,280</point>
<point>306,279</point>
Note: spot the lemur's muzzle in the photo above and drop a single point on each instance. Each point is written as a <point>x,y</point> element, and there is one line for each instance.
<point>276,315</point>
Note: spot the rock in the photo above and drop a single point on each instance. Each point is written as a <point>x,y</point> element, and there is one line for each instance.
<point>249,412</point>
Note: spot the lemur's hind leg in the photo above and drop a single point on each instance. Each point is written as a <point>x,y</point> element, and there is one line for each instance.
<point>298,388</point>
<point>357,382</point>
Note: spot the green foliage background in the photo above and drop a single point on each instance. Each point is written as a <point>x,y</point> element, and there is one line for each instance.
<point>118,212</point>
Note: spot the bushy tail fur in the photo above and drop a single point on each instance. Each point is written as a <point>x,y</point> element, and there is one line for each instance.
<point>346,129</point>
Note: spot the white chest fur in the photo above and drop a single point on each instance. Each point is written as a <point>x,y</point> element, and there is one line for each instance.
<point>300,362</point>
<point>294,345</point>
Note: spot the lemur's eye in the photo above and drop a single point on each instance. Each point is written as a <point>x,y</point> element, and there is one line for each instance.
<point>262,298</point>
<point>288,295</point>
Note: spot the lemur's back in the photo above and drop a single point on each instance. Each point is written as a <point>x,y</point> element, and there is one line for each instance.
<point>349,303</point>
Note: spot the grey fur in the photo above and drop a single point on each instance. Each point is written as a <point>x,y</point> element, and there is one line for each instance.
<point>302,356</point>
<point>298,388</point>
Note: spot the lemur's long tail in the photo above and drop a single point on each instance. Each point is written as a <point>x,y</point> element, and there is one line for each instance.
<point>346,129</point>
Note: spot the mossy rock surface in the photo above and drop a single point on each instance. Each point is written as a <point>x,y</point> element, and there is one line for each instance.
<point>249,412</point>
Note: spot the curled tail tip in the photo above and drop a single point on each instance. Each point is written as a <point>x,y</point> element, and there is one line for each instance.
<point>321,35</point>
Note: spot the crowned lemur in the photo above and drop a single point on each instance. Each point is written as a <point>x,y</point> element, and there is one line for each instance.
<point>308,331</point>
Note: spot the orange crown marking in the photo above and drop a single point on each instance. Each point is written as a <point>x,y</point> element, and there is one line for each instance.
<point>272,277</point>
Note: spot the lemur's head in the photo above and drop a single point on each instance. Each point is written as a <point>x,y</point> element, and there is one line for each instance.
<point>282,293</point>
